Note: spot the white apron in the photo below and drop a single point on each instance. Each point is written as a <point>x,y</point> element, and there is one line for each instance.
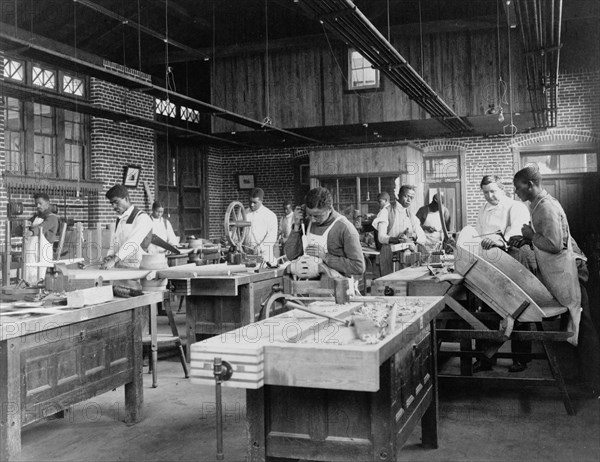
<point>33,274</point>
<point>321,241</point>
<point>559,274</point>
<point>434,238</point>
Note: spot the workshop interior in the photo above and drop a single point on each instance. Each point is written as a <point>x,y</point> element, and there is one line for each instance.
<point>305,230</point>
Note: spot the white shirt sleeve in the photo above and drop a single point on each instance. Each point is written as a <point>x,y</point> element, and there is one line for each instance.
<point>132,239</point>
<point>518,215</point>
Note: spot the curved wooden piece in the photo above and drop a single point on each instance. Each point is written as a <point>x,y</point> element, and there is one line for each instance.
<point>236,224</point>
<point>498,279</point>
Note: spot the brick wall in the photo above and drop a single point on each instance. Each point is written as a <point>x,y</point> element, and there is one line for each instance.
<point>578,122</point>
<point>273,172</point>
<point>115,145</point>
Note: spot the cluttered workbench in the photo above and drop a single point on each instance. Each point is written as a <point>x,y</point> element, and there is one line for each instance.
<point>55,355</point>
<point>351,388</point>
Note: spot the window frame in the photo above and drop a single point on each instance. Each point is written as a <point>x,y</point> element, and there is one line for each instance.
<point>348,88</point>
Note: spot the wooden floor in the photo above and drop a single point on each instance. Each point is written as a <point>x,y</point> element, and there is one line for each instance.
<point>179,425</point>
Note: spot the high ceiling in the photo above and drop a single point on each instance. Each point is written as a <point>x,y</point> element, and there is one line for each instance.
<point>132,32</point>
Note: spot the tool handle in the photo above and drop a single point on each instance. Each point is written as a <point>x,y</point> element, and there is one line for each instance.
<point>298,306</point>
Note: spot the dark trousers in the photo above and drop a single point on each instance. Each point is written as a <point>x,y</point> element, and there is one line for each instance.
<point>588,345</point>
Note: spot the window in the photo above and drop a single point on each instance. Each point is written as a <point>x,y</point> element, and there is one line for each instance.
<point>358,193</point>
<point>13,134</point>
<point>361,73</point>
<point>191,115</point>
<point>41,139</point>
<point>561,163</point>
<point>74,145</point>
<point>166,108</point>
<point>14,69</point>
<point>44,78</point>
<point>73,85</point>
<point>44,138</point>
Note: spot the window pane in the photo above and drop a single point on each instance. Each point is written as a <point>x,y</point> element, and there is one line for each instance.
<point>362,75</point>
<point>442,169</point>
<point>68,130</point>
<point>550,164</point>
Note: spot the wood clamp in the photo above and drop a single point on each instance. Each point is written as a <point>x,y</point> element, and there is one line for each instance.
<point>222,371</point>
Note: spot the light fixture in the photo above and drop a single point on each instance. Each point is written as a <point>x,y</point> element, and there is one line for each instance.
<point>501,116</point>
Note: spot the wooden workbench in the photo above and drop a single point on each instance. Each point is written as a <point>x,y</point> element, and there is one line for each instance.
<point>217,304</point>
<point>316,392</point>
<point>50,362</point>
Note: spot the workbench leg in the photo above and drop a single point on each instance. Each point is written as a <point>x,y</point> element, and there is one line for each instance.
<point>466,362</point>
<point>429,421</point>
<point>134,390</point>
<point>191,316</point>
<point>247,304</point>
<point>10,400</point>
<point>255,423</point>
<point>153,327</point>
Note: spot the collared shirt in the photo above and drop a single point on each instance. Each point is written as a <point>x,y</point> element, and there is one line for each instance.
<point>162,228</point>
<point>507,216</point>
<point>404,221</point>
<point>127,238</point>
<point>285,226</point>
<point>263,231</point>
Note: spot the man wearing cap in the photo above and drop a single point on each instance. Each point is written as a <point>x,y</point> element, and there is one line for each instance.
<point>133,231</point>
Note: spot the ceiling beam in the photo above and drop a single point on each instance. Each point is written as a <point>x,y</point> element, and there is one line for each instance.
<point>25,92</point>
<point>128,22</point>
<point>316,40</point>
<point>43,49</point>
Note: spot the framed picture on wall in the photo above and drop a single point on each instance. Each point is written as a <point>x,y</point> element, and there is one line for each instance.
<point>246,181</point>
<point>131,176</point>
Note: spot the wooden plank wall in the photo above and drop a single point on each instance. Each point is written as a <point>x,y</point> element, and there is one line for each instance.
<point>308,87</point>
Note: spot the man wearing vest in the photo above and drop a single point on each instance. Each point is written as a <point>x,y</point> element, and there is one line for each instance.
<point>133,231</point>
<point>330,237</point>
<point>398,225</point>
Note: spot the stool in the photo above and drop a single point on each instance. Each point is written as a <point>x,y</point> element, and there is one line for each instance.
<point>163,339</point>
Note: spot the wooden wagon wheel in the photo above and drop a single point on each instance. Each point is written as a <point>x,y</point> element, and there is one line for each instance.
<point>236,225</point>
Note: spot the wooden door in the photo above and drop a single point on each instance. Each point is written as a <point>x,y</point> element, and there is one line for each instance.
<point>181,175</point>
<point>579,196</point>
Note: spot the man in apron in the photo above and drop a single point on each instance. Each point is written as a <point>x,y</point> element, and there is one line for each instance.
<point>429,216</point>
<point>133,232</point>
<point>326,236</point>
<point>44,225</point>
<point>398,225</point>
<point>557,267</point>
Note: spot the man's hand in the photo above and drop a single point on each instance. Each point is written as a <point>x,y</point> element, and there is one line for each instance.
<point>298,216</point>
<point>316,251</point>
<point>109,262</point>
<point>429,229</point>
<point>493,241</point>
<point>518,241</point>
<point>527,232</point>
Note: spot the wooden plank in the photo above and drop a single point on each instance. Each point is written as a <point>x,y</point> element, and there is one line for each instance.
<point>93,295</point>
<point>499,289</point>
